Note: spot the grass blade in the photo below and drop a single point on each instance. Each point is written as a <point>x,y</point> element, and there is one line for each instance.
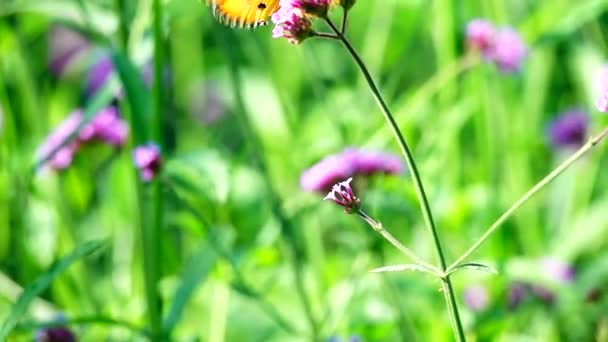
<point>42,283</point>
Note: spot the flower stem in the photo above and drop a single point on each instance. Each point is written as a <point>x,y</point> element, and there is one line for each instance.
<point>528,195</point>
<point>409,158</point>
<point>378,227</point>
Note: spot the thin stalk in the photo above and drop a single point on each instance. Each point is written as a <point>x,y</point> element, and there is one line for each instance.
<point>593,141</point>
<point>378,227</point>
<point>154,214</point>
<point>409,158</point>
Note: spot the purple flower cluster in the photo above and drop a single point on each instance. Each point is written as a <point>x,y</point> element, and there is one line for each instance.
<point>105,127</point>
<point>351,162</point>
<point>569,129</point>
<point>55,334</point>
<point>503,46</point>
<point>342,194</point>
<point>147,159</point>
<point>293,20</point>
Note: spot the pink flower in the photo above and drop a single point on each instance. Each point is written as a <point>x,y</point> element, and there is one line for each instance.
<point>504,46</point>
<point>106,127</point>
<point>291,23</point>
<point>148,160</point>
<point>602,103</point>
<point>508,50</point>
<point>476,297</point>
<point>342,194</point>
<point>335,168</point>
<point>310,7</point>
<point>480,35</point>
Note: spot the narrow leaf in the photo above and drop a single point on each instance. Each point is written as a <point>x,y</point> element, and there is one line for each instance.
<point>138,96</point>
<point>475,266</point>
<point>42,283</point>
<point>195,273</point>
<point>400,268</point>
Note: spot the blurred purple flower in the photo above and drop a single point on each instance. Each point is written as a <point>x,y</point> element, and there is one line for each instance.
<point>476,297</point>
<point>148,160</point>
<point>106,126</point>
<point>63,157</point>
<point>99,74</point>
<point>342,194</point>
<point>569,129</point>
<point>55,334</point>
<point>543,293</point>
<point>558,270</point>
<point>65,46</point>
<point>503,46</point>
<point>602,103</point>
<point>508,50</point>
<point>480,35</point>
<point>351,162</point>
<point>516,294</point>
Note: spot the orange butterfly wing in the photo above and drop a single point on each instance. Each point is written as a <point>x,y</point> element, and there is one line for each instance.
<point>244,13</point>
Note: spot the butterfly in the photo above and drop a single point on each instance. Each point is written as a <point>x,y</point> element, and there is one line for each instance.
<point>244,13</point>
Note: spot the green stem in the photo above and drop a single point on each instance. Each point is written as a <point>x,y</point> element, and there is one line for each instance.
<point>409,158</point>
<point>378,227</point>
<point>528,195</point>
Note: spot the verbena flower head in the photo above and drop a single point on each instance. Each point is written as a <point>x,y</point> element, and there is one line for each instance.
<point>342,194</point>
<point>351,162</point>
<point>311,7</point>
<point>602,89</point>
<point>503,46</point>
<point>292,23</point>
<point>148,160</point>
<point>106,126</point>
<point>476,297</point>
<point>602,103</point>
<point>347,4</point>
<point>508,50</point>
<point>569,129</point>
<point>55,334</point>
<point>480,35</point>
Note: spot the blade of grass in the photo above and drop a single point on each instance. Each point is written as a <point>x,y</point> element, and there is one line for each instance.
<point>42,283</point>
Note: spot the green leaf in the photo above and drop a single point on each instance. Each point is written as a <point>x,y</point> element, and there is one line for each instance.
<point>474,266</point>
<point>42,283</point>
<point>138,96</point>
<point>196,272</point>
<point>400,268</point>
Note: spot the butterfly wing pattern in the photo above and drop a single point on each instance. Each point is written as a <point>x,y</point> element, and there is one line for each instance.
<point>243,13</point>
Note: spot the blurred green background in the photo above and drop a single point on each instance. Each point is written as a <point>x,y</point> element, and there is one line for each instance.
<point>233,232</point>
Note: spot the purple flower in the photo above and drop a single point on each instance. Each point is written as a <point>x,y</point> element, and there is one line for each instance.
<point>516,294</point>
<point>508,50</point>
<point>106,126</point>
<point>480,35</point>
<point>65,46</point>
<point>99,74</point>
<point>569,129</point>
<point>476,297</point>
<point>503,46</point>
<point>148,160</point>
<point>291,23</point>
<point>558,270</point>
<point>310,7</point>
<point>55,334</point>
<point>351,162</point>
<point>63,157</point>
<point>342,194</point>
